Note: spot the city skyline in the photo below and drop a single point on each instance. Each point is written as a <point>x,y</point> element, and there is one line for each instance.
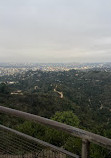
<point>58,31</point>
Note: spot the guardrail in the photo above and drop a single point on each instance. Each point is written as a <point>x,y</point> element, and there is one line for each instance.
<point>15,144</point>
<point>86,137</point>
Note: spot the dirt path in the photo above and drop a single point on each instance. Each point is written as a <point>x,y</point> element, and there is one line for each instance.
<point>60,93</point>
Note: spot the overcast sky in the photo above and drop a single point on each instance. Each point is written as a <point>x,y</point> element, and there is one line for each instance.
<point>55,30</point>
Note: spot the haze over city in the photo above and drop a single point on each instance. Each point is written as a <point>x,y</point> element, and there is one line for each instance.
<point>55,31</point>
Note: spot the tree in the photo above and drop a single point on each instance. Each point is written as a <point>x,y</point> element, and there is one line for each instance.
<point>67,117</point>
<point>4,88</point>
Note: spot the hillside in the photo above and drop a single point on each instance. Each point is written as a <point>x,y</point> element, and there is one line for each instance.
<point>85,93</point>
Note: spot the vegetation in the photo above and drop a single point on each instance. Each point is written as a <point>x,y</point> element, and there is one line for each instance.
<point>86,103</point>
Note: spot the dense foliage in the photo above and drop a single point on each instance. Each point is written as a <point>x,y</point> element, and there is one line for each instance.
<point>77,98</point>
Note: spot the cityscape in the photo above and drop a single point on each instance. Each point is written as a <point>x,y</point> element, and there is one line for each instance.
<point>13,69</point>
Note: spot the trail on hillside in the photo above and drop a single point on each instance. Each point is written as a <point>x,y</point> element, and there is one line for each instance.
<point>60,93</point>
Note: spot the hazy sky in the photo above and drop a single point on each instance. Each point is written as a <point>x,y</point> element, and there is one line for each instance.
<point>55,30</point>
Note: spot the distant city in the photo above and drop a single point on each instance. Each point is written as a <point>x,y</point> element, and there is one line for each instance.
<point>15,68</point>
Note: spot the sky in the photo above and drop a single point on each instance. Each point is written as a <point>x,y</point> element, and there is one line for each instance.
<point>55,31</point>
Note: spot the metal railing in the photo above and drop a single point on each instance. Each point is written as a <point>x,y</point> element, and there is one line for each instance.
<point>87,137</point>
<point>14,144</point>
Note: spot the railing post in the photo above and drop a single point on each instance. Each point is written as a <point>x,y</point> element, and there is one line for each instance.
<point>85,148</point>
